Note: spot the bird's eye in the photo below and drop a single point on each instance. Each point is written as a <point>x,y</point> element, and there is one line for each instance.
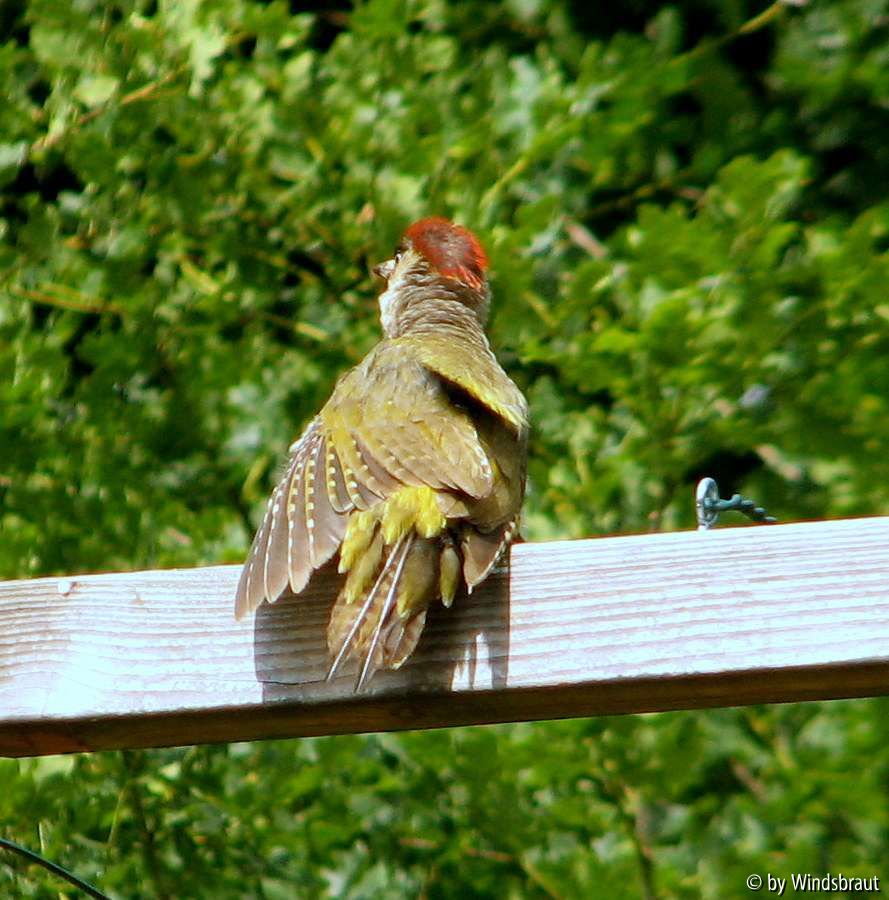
<point>398,255</point>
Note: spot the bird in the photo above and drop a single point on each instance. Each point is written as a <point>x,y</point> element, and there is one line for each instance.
<point>414,470</point>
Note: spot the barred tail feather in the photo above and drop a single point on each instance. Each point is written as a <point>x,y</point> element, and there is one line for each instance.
<point>481,551</point>
<point>375,654</point>
<point>383,627</point>
<point>346,620</point>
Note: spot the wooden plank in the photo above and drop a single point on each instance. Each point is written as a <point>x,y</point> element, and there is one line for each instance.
<point>610,625</point>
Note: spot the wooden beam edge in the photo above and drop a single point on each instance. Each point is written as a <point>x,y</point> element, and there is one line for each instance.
<point>627,624</point>
<point>381,713</point>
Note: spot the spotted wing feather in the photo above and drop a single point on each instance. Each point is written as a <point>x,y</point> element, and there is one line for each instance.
<point>303,525</point>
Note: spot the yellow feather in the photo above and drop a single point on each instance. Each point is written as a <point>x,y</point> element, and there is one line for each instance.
<point>359,534</point>
<point>363,572</point>
<point>412,508</point>
<point>417,580</point>
<point>395,521</point>
<point>449,574</point>
<point>429,520</point>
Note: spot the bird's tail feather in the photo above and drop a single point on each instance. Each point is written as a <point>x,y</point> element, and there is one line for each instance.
<point>382,626</point>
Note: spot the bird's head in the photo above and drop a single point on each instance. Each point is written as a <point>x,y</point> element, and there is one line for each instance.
<point>435,259</point>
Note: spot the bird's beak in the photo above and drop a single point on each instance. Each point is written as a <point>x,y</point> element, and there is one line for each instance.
<point>385,269</point>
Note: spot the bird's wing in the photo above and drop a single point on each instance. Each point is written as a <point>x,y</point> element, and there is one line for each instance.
<point>393,424</point>
<point>476,372</point>
<point>389,424</point>
<point>303,525</point>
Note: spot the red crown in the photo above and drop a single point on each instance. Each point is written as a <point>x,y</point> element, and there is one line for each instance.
<point>452,250</point>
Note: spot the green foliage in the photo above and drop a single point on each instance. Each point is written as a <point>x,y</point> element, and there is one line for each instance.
<point>688,220</point>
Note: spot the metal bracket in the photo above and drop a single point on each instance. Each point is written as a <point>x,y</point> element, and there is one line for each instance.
<point>708,506</point>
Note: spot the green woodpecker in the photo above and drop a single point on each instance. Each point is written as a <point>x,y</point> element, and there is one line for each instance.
<point>414,470</point>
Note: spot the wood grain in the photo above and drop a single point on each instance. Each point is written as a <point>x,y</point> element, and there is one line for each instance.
<point>610,625</point>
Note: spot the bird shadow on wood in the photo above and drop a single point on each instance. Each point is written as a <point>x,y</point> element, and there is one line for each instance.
<point>465,647</point>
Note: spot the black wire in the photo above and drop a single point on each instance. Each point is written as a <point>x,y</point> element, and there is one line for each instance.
<point>56,869</point>
<point>742,505</point>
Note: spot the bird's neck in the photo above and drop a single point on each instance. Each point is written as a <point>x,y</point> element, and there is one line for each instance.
<point>445,317</point>
<point>430,308</point>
